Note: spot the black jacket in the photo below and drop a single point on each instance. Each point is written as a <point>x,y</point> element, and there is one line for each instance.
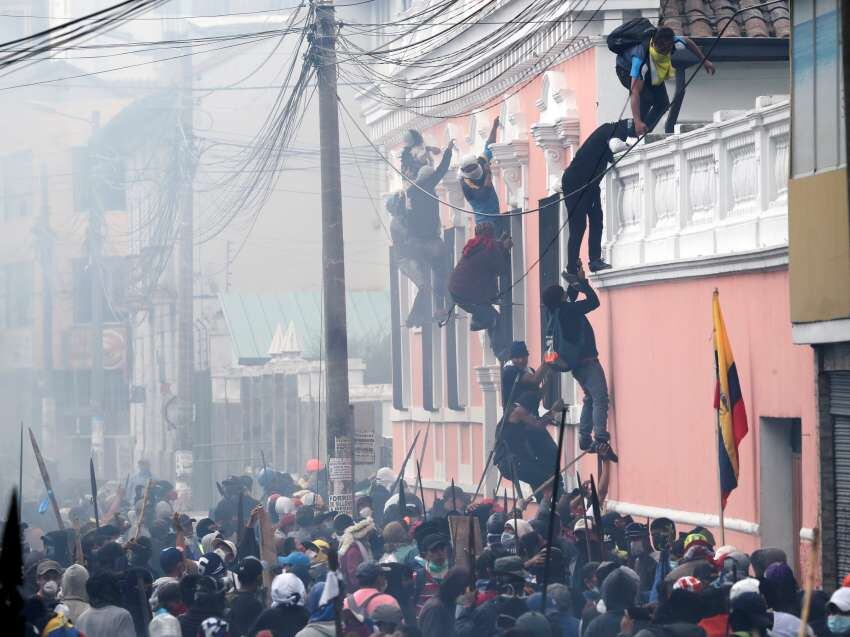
<point>575,327</point>
<point>590,161</point>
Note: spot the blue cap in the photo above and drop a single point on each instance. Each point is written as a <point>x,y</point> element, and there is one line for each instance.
<point>169,557</point>
<point>294,560</point>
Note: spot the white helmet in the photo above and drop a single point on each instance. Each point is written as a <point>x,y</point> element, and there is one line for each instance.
<point>283,505</point>
<point>386,477</point>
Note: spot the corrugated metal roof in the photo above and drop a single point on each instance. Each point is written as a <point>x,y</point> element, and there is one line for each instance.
<point>252,320</point>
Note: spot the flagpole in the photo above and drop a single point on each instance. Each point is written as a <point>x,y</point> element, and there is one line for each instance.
<point>720,482</point>
<point>719,433</point>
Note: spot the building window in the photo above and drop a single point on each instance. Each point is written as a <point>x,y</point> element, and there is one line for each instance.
<point>16,295</point>
<point>818,142</point>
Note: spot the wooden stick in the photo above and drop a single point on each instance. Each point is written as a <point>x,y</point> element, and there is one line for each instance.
<point>142,512</point>
<point>810,583</point>
<point>93,479</point>
<point>552,479</point>
<point>46,479</point>
<point>550,532</point>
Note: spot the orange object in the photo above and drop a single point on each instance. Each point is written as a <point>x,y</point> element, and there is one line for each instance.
<point>313,465</point>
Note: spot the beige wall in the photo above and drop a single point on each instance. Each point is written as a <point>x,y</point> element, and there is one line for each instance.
<point>819,247</point>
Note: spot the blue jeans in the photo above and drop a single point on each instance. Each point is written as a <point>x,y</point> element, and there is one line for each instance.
<point>594,412</point>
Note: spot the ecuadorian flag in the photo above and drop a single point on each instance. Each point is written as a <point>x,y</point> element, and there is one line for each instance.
<point>729,403</point>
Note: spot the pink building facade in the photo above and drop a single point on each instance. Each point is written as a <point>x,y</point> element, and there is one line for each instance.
<point>703,208</point>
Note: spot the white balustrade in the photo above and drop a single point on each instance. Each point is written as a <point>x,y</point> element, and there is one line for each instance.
<point>718,190</point>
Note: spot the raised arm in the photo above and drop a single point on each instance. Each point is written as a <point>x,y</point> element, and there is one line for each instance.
<point>443,167</point>
<point>493,130</point>
<point>704,61</point>
<point>590,301</point>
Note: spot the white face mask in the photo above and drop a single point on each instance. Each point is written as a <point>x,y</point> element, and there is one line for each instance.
<point>50,588</point>
<point>366,512</point>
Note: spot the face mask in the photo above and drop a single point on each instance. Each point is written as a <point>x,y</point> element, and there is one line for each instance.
<point>310,554</point>
<point>50,588</point>
<point>636,548</point>
<point>838,624</point>
<point>437,569</point>
<point>366,513</point>
<point>509,542</point>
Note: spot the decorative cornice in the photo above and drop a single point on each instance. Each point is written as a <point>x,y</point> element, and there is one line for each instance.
<point>488,377</point>
<point>510,154</point>
<point>741,262</point>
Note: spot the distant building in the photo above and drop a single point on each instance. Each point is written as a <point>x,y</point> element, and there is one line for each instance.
<point>819,255</point>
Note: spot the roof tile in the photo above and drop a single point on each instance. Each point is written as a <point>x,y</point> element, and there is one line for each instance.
<point>708,18</point>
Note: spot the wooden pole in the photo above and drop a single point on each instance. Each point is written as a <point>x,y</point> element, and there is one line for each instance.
<point>810,583</point>
<point>46,479</point>
<point>550,532</point>
<point>142,512</point>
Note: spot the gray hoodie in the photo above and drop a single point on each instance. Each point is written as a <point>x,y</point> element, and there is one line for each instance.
<point>74,594</point>
<point>318,629</point>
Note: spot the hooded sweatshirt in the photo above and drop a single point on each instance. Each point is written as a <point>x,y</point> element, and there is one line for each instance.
<point>619,591</point>
<point>74,594</point>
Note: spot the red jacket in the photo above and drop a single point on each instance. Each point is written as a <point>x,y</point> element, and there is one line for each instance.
<point>475,278</point>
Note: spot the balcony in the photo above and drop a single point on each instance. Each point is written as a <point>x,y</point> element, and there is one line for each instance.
<point>707,201</point>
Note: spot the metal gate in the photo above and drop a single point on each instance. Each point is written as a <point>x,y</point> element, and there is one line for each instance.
<point>839,408</point>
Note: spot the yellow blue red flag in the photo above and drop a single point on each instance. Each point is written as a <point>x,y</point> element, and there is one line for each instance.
<point>729,403</point>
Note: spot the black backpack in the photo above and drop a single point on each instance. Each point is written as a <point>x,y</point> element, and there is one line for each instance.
<point>635,31</point>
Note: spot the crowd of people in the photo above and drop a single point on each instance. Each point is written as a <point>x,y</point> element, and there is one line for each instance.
<point>282,564</point>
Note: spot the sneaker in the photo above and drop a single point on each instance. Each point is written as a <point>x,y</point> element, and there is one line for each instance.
<point>617,145</point>
<point>585,443</point>
<point>598,264</point>
<point>570,277</point>
<point>603,448</point>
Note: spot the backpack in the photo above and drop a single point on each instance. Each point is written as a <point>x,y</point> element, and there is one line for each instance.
<point>561,354</point>
<point>351,620</point>
<point>635,31</point>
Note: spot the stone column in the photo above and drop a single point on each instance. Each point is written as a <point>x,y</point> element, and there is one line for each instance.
<point>489,380</point>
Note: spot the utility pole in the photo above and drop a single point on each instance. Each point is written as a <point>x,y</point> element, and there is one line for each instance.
<point>45,242</point>
<point>185,282</point>
<point>227,267</point>
<point>340,444</point>
<point>95,245</point>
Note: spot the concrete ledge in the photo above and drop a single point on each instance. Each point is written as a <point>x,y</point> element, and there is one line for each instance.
<point>753,261</point>
<point>835,331</point>
<point>684,517</point>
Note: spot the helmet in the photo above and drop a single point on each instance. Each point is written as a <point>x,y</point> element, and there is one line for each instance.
<point>264,477</point>
<point>496,523</point>
<point>385,477</point>
<point>313,465</point>
<point>284,505</point>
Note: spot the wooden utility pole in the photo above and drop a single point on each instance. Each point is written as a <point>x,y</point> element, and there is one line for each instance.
<point>340,444</point>
<point>186,274</point>
<point>95,249</point>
